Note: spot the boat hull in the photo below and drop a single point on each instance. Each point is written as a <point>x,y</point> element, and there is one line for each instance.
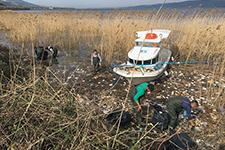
<point>138,80</point>
<point>136,77</point>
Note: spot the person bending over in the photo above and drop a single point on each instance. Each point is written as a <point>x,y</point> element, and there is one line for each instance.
<point>139,92</point>
<point>177,105</point>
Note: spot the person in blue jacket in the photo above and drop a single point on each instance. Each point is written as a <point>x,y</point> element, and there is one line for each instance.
<point>177,105</point>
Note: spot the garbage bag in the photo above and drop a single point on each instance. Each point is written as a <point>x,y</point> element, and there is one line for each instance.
<point>181,141</point>
<point>161,119</point>
<point>114,117</point>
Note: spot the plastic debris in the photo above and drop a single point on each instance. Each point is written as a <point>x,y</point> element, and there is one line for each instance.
<point>222,110</point>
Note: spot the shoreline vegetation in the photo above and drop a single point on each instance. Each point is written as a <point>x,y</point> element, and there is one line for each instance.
<point>64,106</point>
<point>195,36</point>
<point>14,8</point>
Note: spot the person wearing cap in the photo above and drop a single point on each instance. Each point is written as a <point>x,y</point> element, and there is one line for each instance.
<point>177,105</point>
<point>96,60</point>
<point>139,92</point>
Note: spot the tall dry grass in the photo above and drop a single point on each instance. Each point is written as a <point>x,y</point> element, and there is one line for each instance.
<point>37,115</point>
<point>113,33</point>
<point>198,35</point>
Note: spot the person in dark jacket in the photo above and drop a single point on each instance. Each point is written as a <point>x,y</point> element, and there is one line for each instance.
<point>96,60</point>
<point>53,54</point>
<point>49,53</point>
<point>139,92</point>
<point>38,52</point>
<point>53,51</point>
<point>41,53</point>
<point>177,105</point>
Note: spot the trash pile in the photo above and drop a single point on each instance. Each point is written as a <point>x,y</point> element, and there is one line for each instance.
<point>108,92</point>
<point>71,99</point>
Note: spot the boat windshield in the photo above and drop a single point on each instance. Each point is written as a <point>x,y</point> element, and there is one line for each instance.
<point>146,62</point>
<point>151,61</point>
<point>147,44</point>
<point>137,62</point>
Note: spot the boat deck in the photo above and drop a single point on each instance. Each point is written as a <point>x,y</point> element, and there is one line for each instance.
<point>140,74</point>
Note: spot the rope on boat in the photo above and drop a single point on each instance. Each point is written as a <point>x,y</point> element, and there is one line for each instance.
<point>161,63</point>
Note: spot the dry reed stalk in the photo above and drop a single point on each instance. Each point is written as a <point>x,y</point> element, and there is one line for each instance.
<point>53,115</point>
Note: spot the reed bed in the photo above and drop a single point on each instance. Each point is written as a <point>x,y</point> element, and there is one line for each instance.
<point>38,115</point>
<point>113,33</point>
<point>198,35</point>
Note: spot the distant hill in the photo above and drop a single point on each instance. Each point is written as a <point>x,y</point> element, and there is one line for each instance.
<point>16,3</point>
<point>1,4</point>
<point>185,4</point>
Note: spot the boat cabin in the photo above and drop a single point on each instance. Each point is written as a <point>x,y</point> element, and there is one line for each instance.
<point>143,62</point>
<point>147,47</point>
<point>144,53</point>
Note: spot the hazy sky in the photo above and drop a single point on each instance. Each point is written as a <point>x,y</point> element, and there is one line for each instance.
<point>96,3</point>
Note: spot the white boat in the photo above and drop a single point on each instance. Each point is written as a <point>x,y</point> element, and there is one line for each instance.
<point>147,61</point>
